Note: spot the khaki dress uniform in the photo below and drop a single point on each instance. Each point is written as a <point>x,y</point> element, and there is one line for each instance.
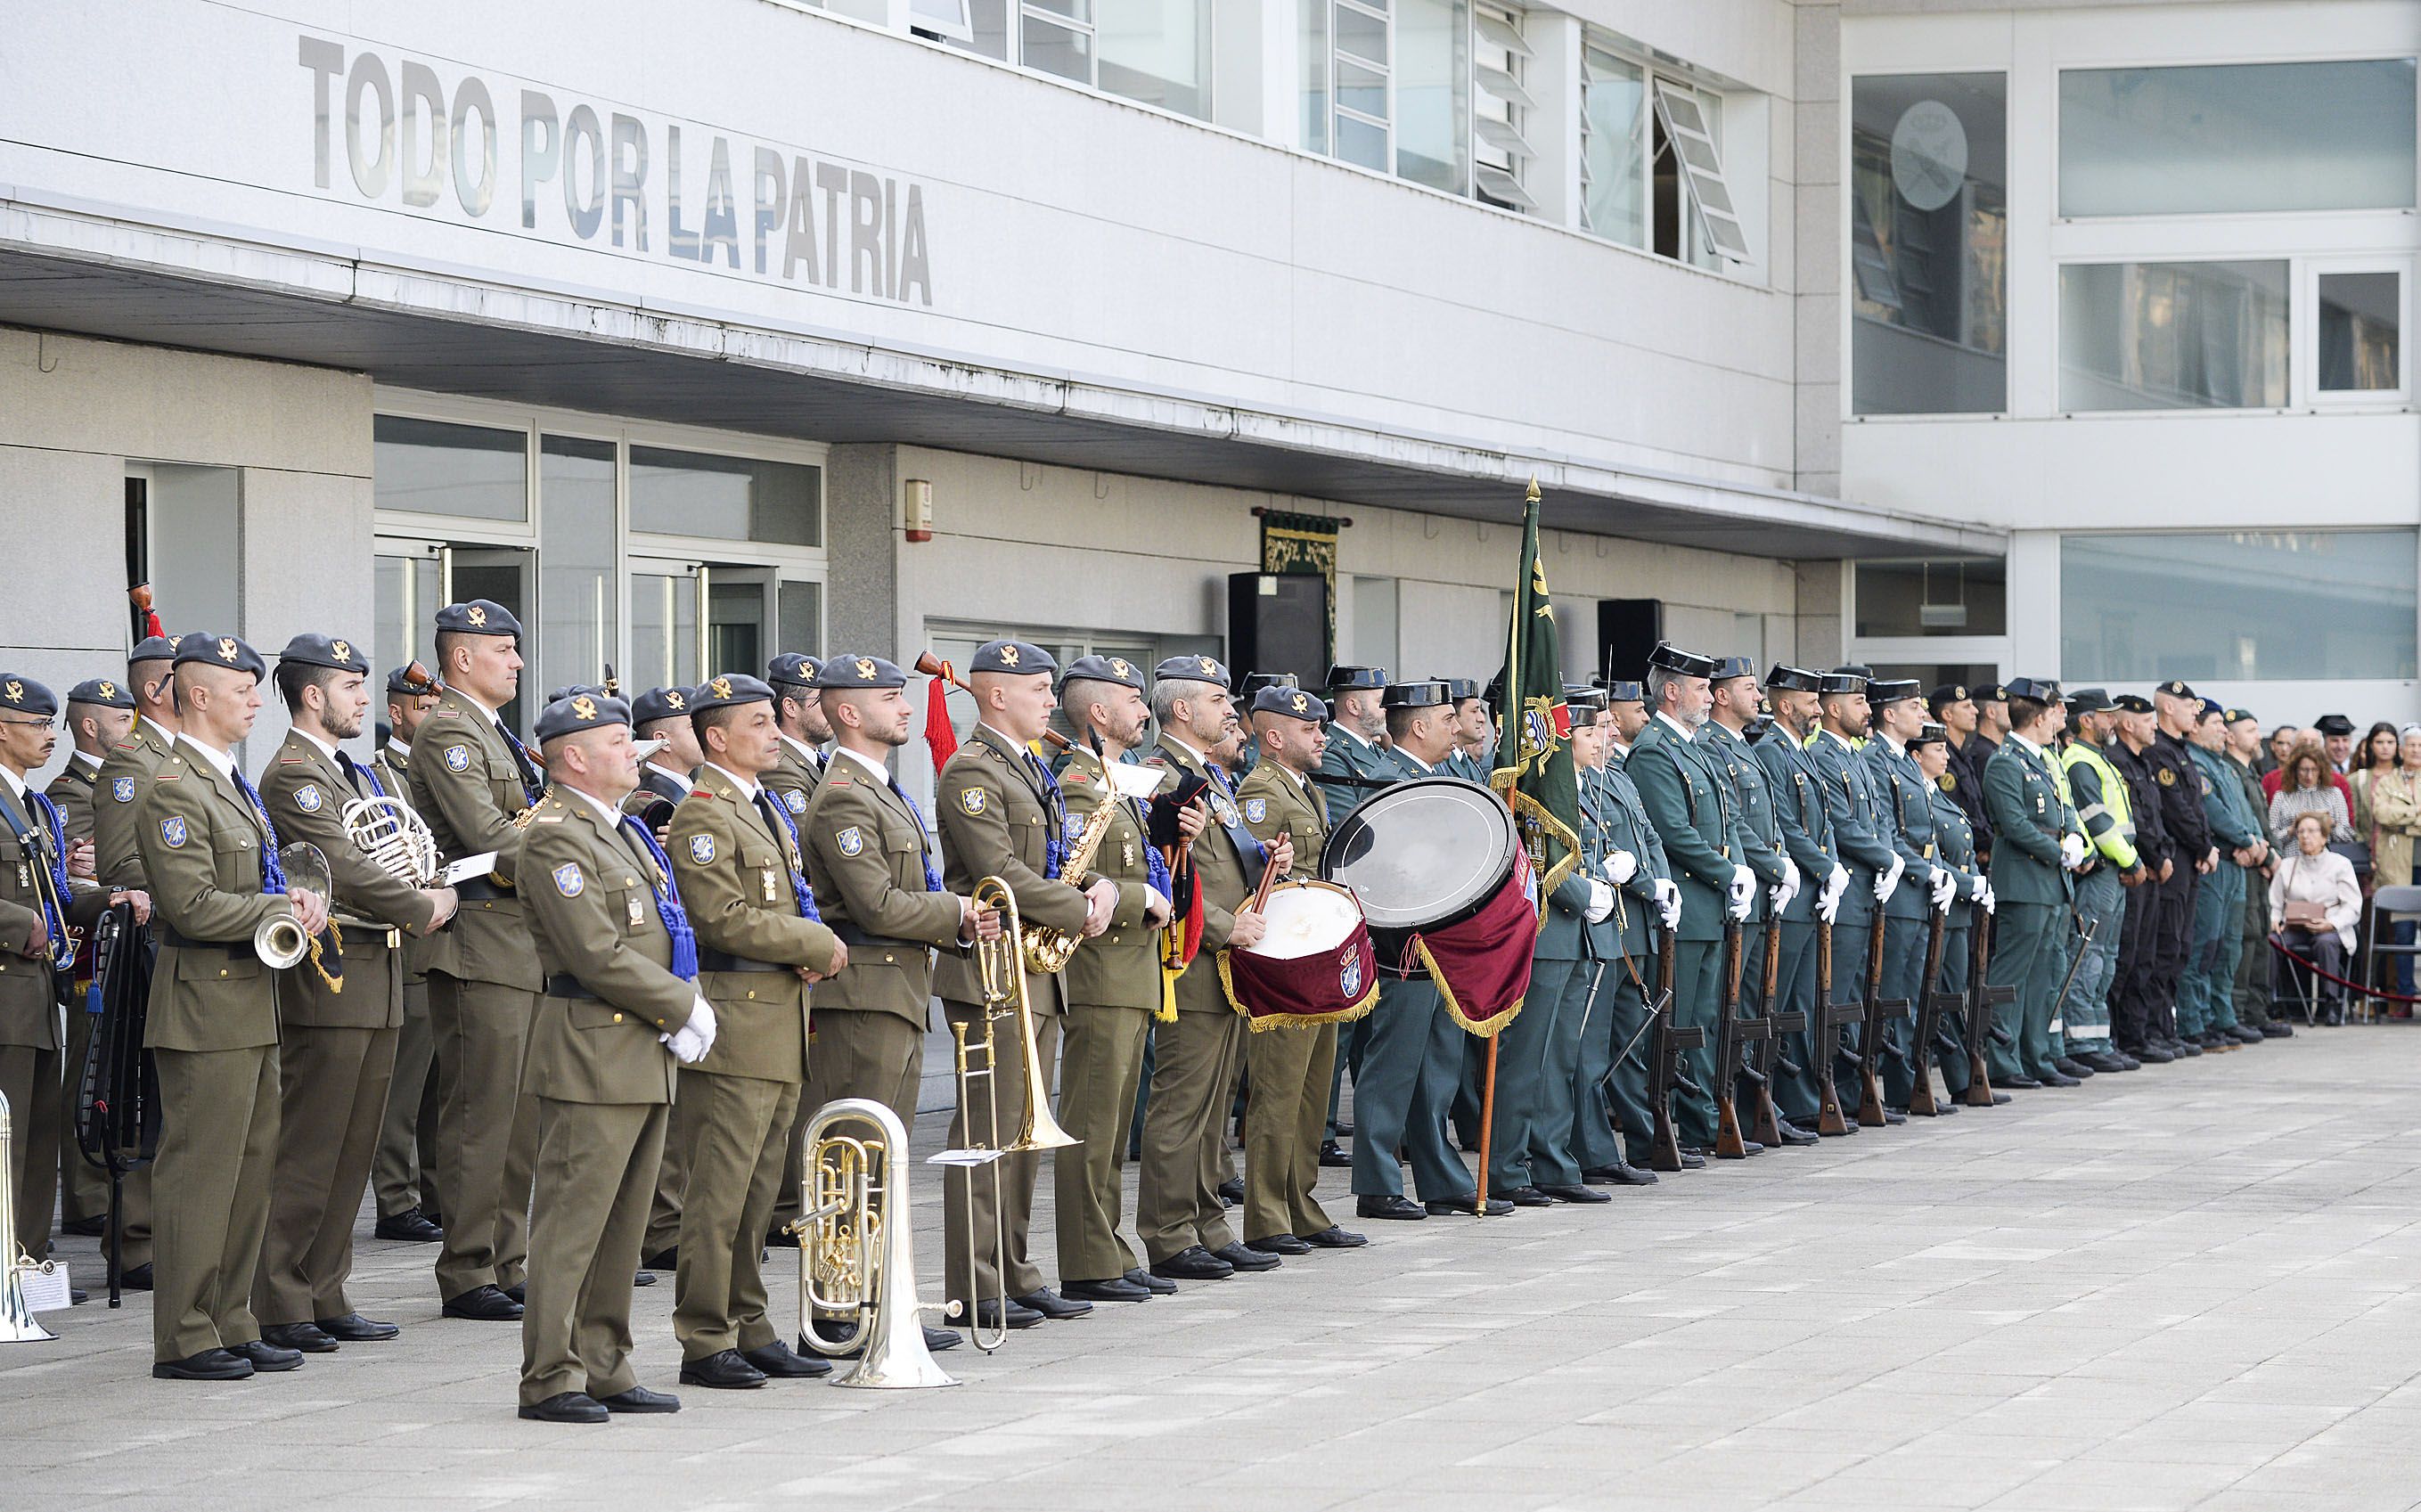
<point>734,863</point>
<point>483,984</point>
<point>30,1019</point>
<point>1113,988</point>
<point>337,1049</point>
<point>793,782</point>
<point>1288,1068</point>
<point>403,1172</point>
<point>84,1190</point>
<point>212,1029</point>
<point>603,1083</point>
<point>126,771</point>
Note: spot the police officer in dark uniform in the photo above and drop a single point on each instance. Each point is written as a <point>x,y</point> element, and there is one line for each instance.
<point>2133,1018</point>
<point>1953,706</point>
<point>2177,707</point>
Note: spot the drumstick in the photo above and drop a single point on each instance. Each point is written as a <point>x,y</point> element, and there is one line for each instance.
<point>1269,875</point>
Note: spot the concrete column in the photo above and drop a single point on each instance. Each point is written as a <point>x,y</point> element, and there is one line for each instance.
<point>1553,129</point>
<point>862,542</point>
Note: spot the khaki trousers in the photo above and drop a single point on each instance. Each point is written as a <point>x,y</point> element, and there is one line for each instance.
<point>596,1168</point>
<point>1003,1093</point>
<point>863,1055</point>
<point>218,1151</point>
<point>487,1131</point>
<point>1100,1067</point>
<point>1192,1076</point>
<point>84,1187</point>
<point>30,1079</point>
<point>664,1207</point>
<point>404,1170</point>
<point>734,1127</point>
<point>1284,1123</point>
<point>331,1096</point>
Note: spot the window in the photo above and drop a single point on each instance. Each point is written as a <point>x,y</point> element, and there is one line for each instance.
<point>2256,606</point>
<point>1433,93</point>
<point>1374,622</point>
<point>576,578</point>
<point>2237,138</point>
<point>732,498</point>
<point>1352,62</point>
<point>799,616</point>
<point>435,467</point>
<point>2360,318</point>
<point>1500,109</point>
<point>1688,125</point>
<point>2173,336</point>
<point>1928,245</point>
<point>193,555</point>
<point>1614,148</point>
<point>1057,38</point>
<point>948,18</point>
<point>1157,51</point>
<point>1949,595</point>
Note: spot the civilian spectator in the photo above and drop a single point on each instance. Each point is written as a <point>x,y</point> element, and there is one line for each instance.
<point>2312,737</point>
<point>2305,791</point>
<point>2313,902</point>
<point>2273,751</point>
<point>2395,821</point>
<point>2376,754</point>
<point>2336,736</point>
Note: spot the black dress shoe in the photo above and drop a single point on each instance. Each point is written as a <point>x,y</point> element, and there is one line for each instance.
<point>1232,1192</point>
<point>640,1399</point>
<point>484,1304</point>
<point>1693,1160</point>
<point>567,1407</point>
<point>2275,1030</point>
<point>938,1339</point>
<point>78,1296</point>
<point>988,1314</point>
<point>303,1338</point>
<point>2061,1079</point>
<point>84,1228</point>
<point>1748,1147</point>
<point>1278,1245</point>
<point>1335,1158</point>
<point>266,1356</point>
<point>1245,1258</point>
<point>723,1370</point>
<point>1051,1305</point>
<point>2153,1055</point>
<point>2018,1083</point>
<point>1497,1206</point>
<point>1151,1282</point>
<point>1556,1192</point>
<point>1342,1131</point>
<point>354,1328</point>
<point>1332,1238</point>
<point>1793,1134</point>
<point>210,1364</point>
<point>1116,1289</point>
<point>1193,1263</point>
<point>2184,1049</point>
<point>410,1226</point>
<point>2245,1034</point>
<point>1528,1197</point>
<point>780,1359</point>
<point>2070,1065</point>
<point>518,1293</point>
<point>137,1278</point>
<point>1619,1174</point>
<point>1397,1206</point>
<point>2126,1062</point>
<point>667,1259</point>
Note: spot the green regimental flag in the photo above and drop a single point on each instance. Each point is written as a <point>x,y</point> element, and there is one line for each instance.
<point>1534,752</point>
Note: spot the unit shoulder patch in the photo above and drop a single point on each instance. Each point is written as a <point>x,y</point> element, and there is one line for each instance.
<point>458,759</point>
<point>172,830</point>
<point>972,800</point>
<point>307,798</point>
<point>1256,810</point>
<point>795,801</point>
<point>122,790</point>
<point>569,881</point>
<point>850,841</point>
<point>2168,778</point>
<point>701,848</point>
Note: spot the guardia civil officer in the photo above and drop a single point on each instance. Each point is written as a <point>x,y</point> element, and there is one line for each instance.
<point>2099,794</point>
<point>1734,700</point>
<point>621,1008</point>
<point>1806,827</point>
<point>403,1173</point>
<point>1475,733</point>
<point>1905,822</point>
<point>2034,849</point>
<point>2239,832</point>
<point>1610,1077</point>
<point>100,712</point>
<point>1970,901</point>
<point>1355,765</point>
<point>1854,805</point>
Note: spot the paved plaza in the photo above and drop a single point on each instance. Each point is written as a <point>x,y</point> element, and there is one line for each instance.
<point>2183,1287</point>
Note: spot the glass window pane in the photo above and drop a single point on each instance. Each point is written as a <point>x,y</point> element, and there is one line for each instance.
<point>195,514</point>
<point>433,467</point>
<point>1054,49</point>
<point>406,595</point>
<point>1361,90</point>
<point>1080,11</point>
<point>577,571</point>
<point>732,498</point>
<point>1948,595</point>
<point>2361,317</point>
<point>801,623</point>
<point>1615,158</point>
<point>1433,94</point>
<point>1928,245</point>
<point>988,20</point>
<point>1362,34</point>
<point>664,630</point>
<point>735,629</point>
<point>1361,141</point>
<point>2173,336</point>
<point>1157,52</point>
<point>2258,606</point>
<point>1315,78</point>
<point>2252,137</point>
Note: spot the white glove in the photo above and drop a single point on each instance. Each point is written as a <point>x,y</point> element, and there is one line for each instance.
<point>2072,850</point>
<point>1736,896</point>
<point>1976,888</point>
<point>692,1040</point>
<point>1945,887</point>
<point>1990,901</point>
<point>1620,866</point>
<point>1834,886</point>
<point>1601,901</point>
<point>1789,887</point>
<point>1668,902</point>
<point>1886,880</point>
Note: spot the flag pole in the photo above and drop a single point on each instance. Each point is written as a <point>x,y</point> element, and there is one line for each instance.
<point>1512,685</point>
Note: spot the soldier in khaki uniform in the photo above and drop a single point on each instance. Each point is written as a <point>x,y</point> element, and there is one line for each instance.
<point>1002,816</point>
<point>100,712</point>
<point>1113,987</point>
<point>404,1171</point>
<point>661,717</point>
<point>336,1042</point>
<point>621,992</point>
<point>470,780</point>
<point>1196,1059</point>
<point>125,771</point>
<point>761,944</point>
<point>878,884</point>
<point>805,728</point>
<point>1287,1068</point>
<point>211,850</point>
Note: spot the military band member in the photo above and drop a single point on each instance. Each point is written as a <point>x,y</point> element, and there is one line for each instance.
<point>761,944</point>
<point>335,1044</point>
<point>403,1174</point>
<point>100,712</point>
<point>1002,815</point>
<point>1904,820</point>
<point>2099,795</point>
<point>470,780</point>
<point>1287,1068</point>
<point>209,849</point>
<point>1734,700</point>
<point>1807,825</point>
<point>1113,986</point>
<point>621,1007</point>
<point>799,711</point>
<point>2033,851</point>
<point>663,715</point>
<point>878,883</point>
<point>1610,1080</point>
<point>1196,1058</point>
<point>1854,805</point>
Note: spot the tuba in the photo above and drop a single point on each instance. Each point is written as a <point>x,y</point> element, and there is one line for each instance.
<point>18,1324</point>
<point>856,1261</point>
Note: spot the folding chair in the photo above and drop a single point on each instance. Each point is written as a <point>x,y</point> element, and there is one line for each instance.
<point>2289,988</point>
<point>2388,906</point>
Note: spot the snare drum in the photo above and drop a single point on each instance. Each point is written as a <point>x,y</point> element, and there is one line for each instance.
<point>1315,965</point>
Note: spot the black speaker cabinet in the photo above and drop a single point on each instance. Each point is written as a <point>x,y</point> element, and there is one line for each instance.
<point>1279,622</point>
<point>1627,630</point>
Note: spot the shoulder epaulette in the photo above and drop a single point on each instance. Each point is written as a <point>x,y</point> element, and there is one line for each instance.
<point>290,762</point>
<point>124,745</point>
<point>838,782</point>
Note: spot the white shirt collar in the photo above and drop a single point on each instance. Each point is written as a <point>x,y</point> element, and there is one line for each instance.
<point>159,732</point>
<point>1406,755</point>
<point>874,769</point>
<point>676,775</point>
<point>221,762</point>
<point>16,785</point>
<point>804,751</point>
<point>613,816</point>
<point>325,749</point>
<point>1354,736</point>
<point>747,785</point>
<point>1678,728</point>
<point>1892,743</point>
<point>1838,738</point>
<point>2024,745</point>
<point>401,748</point>
<point>90,763</point>
<point>1202,760</point>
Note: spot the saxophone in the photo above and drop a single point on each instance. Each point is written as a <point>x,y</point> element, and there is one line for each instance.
<point>1048,950</point>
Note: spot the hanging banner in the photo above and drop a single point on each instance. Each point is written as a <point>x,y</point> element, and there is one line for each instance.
<point>1294,543</point>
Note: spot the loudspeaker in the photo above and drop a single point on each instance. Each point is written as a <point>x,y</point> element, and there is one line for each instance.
<point>1279,622</point>
<point>1627,630</point>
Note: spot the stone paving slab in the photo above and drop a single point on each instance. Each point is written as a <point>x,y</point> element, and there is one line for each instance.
<point>2188,1288</point>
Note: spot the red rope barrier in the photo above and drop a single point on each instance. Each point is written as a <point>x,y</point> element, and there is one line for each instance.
<point>2305,961</point>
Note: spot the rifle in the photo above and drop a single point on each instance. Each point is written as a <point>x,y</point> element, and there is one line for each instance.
<point>1871,1048</point>
<point>1664,1145</point>
<point>1730,1146</point>
<point>1830,1017</point>
<point>2075,958</point>
<point>1766,1128</point>
<point>1983,1025</point>
<point>1921,1101</point>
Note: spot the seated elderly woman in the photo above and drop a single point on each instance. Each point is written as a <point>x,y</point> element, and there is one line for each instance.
<point>2305,787</point>
<point>2314,905</point>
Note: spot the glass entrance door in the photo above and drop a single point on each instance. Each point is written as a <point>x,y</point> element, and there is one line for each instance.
<point>690,620</point>
<point>417,578</point>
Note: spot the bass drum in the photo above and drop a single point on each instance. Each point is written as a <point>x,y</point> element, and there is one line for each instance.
<point>1422,855</point>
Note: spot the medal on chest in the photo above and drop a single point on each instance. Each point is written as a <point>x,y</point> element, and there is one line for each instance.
<point>631,907</point>
<point>768,875</point>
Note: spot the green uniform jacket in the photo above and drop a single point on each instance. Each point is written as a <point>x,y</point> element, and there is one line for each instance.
<point>1119,968</point>
<point>2223,801</point>
<point>1954,849</point>
<point>305,794</point>
<point>2023,804</point>
<point>1219,867</point>
<point>866,856</point>
<point>1466,766</point>
<point>1799,812</point>
<point>996,815</point>
<point>1735,765</point>
<point>794,779</point>
<point>734,875</point>
<point>125,772</point>
<point>1273,799</point>
<point>1905,822</point>
<point>72,793</point>
<point>1854,807</point>
<point>29,1003</point>
<point>593,904</point>
<point>1350,771</point>
<point>1692,814</point>
<point>468,790</point>
<point>1615,818</point>
<point>199,841</point>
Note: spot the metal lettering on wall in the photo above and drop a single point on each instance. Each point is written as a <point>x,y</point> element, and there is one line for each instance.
<point>610,178</point>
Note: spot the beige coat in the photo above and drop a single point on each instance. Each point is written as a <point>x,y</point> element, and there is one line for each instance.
<point>2327,879</point>
<point>2395,818</point>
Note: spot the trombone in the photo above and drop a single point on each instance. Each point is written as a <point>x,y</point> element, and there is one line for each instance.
<point>856,1260</point>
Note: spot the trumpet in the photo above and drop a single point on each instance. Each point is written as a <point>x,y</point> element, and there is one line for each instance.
<point>856,1261</point>
<point>280,942</point>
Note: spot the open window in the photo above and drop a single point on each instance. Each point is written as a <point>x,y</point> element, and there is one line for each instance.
<point>1696,161</point>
